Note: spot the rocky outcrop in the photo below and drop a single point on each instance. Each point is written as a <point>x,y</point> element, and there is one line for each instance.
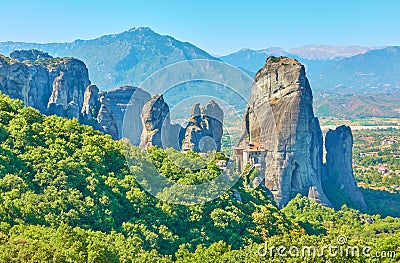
<point>29,55</point>
<point>214,117</point>
<point>339,171</point>
<point>61,86</point>
<point>106,110</point>
<point>156,123</point>
<point>114,104</point>
<point>52,85</point>
<point>31,84</point>
<point>204,130</point>
<point>280,117</point>
<point>71,79</point>
<point>280,126</point>
<point>91,103</point>
<point>106,122</point>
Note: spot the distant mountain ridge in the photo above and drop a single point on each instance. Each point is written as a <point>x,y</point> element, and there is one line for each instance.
<point>120,59</point>
<point>329,51</point>
<point>354,82</point>
<point>252,60</point>
<point>375,69</point>
<point>331,66</point>
<point>129,57</point>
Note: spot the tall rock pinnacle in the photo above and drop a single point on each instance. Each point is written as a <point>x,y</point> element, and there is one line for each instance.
<point>283,138</point>
<point>339,171</point>
<point>280,117</point>
<point>156,123</point>
<point>204,130</point>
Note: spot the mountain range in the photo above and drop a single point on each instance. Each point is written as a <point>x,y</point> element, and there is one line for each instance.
<point>333,66</point>
<point>119,59</point>
<point>251,60</point>
<point>130,57</point>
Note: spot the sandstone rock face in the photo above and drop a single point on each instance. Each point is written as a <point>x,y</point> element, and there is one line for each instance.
<point>339,172</point>
<point>91,103</point>
<point>61,86</point>
<point>106,121</point>
<point>280,117</point>
<point>214,117</point>
<point>30,84</point>
<point>156,123</point>
<point>204,130</point>
<point>113,107</point>
<point>70,82</point>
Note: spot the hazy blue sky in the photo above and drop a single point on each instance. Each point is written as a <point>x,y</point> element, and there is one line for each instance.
<point>219,27</point>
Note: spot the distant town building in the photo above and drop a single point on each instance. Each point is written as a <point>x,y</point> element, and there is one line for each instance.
<point>395,187</point>
<point>370,154</point>
<point>382,169</point>
<point>390,141</point>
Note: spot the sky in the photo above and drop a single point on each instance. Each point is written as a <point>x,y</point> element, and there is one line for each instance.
<point>220,27</point>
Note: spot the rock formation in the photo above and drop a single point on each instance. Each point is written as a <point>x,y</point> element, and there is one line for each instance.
<point>69,84</point>
<point>91,103</point>
<point>281,127</point>
<point>61,86</point>
<point>280,117</point>
<point>31,55</point>
<point>113,107</point>
<point>106,111</point>
<point>214,117</point>
<point>204,131</point>
<point>51,85</point>
<point>30,84</point>
<point>339,172</point>
<point>156,123</point>
<point>106,122</point>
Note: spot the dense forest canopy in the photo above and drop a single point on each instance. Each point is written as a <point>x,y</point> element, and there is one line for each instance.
<point>67,194</point>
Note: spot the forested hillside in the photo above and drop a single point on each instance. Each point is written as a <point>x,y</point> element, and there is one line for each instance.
<point>67,195</point>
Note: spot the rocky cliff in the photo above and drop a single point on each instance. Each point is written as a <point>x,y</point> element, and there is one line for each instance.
<point>281,120</point>
<point>91,103</point>
<point>339,172</point>
<point>52,85</point>
<point>106,111</point>
<point>70,80</point>
<point>204,130</point>
<point>29,83</point>
<point>61,86</point>
<point>113,106</point>
<point>156,123</point>
<point>292,137</point>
